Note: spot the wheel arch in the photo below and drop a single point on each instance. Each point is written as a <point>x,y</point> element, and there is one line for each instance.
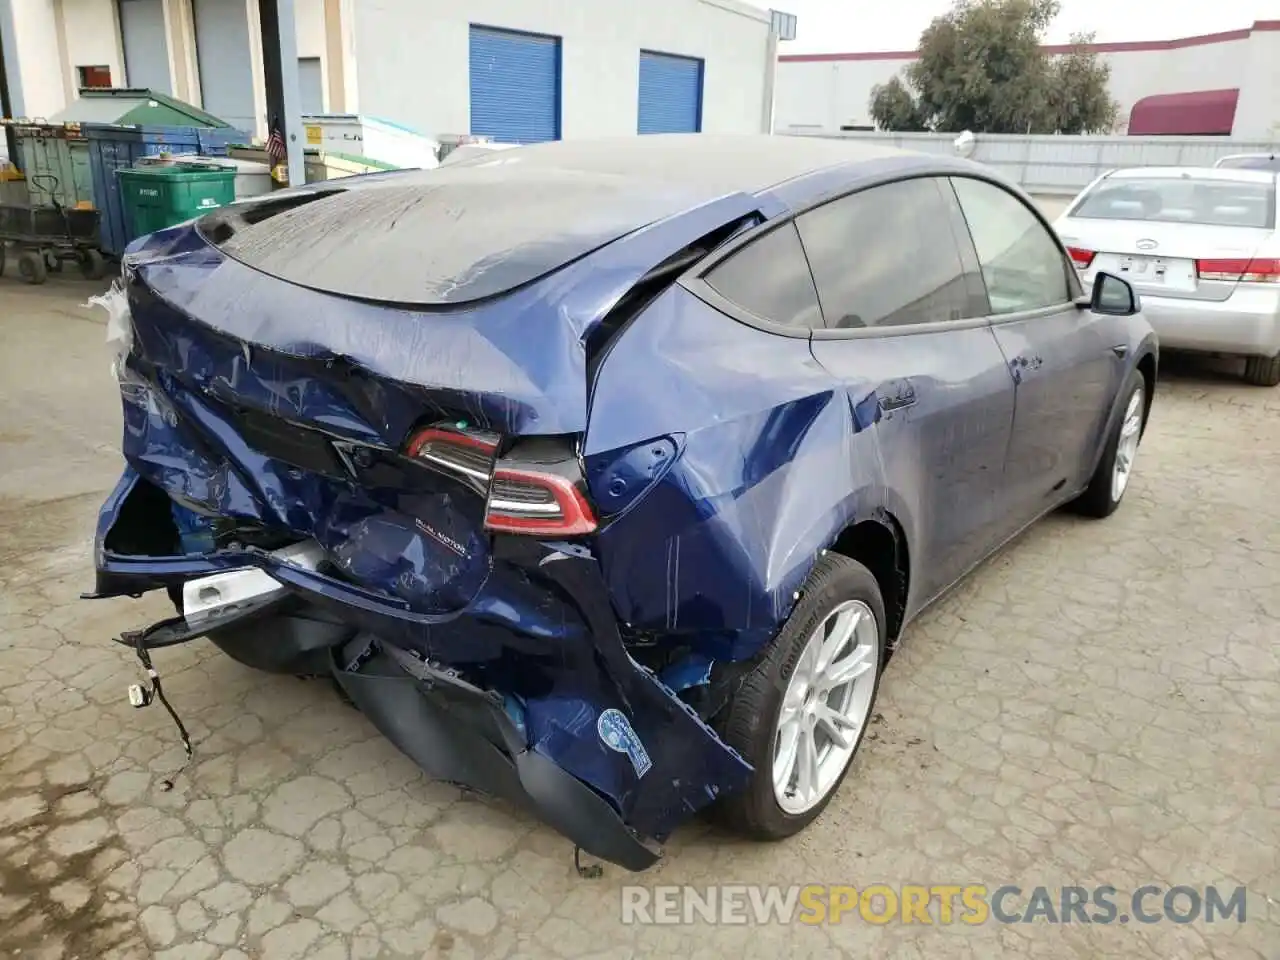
<point>879,543</point>
<point>1148,366</point>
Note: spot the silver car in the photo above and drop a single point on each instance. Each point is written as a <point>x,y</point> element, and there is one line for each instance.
<point>1201,247</point>
<point>1251,161</point>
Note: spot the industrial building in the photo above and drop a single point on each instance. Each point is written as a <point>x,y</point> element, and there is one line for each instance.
<point>1223,84</point>
<point>513,70</point>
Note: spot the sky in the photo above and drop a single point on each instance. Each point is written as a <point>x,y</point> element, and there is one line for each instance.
<point>836,26</point>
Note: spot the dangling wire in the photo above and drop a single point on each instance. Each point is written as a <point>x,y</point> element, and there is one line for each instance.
<point>157,693</point>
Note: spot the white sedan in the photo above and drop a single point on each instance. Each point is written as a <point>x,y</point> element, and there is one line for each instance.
<point>1201,247</point>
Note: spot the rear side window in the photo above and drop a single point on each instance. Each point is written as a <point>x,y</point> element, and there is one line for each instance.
<point>770,278</point>
<point>1021,262</point>
<point>887,256</point>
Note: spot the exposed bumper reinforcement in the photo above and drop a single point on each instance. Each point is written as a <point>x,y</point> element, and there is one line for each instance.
<point>456,732</point>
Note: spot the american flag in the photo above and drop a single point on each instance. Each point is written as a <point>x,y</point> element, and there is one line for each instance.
<point>277,153</point>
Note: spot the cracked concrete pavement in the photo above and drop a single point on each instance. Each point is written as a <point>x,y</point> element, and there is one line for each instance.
<point>1096,705</point>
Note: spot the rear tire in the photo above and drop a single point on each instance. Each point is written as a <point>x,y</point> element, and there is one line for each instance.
<point>1101,498</point>
<point>31,268</point>
<point>1262,371</point>
<point>92,264</point>
<point>754,723</point>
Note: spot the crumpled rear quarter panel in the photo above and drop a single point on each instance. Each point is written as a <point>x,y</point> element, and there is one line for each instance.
<point>775,460</point>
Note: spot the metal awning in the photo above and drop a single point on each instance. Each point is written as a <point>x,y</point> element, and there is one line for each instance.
<point>1199,113</point>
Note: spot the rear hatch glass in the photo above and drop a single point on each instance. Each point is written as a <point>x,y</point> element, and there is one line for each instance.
<point>439,237</point>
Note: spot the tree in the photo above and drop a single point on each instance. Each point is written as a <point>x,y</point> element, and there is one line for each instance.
<point>981,68</point>
<point>1079,98</point>
<point>894,108</point>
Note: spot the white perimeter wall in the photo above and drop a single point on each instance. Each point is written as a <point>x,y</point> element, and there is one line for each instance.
<point>412,58</point>
<point>825,94</point>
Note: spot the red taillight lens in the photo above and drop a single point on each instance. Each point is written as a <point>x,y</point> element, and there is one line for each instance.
<point>538,497</point>
<point>1257,270</point>
<point>469,454</point>
<point>1081,257</point>
<point>536,504</point>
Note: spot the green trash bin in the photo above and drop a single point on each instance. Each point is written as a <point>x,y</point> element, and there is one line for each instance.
<point>155,197</point>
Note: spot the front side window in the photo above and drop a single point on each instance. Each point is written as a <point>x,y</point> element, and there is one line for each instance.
<point>887,256</point>
<point>1022,264</point>
<point>770,278</point>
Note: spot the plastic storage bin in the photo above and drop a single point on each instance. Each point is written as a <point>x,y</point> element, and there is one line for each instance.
<point>253,179</point>
<point>155,197</point>
<point>113,148</point>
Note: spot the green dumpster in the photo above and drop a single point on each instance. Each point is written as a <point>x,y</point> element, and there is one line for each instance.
<point>55,161</point>
<point>156,197</point>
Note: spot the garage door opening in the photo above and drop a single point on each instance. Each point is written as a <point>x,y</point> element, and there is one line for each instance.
<point>515,85</point>
<point>670,94</point>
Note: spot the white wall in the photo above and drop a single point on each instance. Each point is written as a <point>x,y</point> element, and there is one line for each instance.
<point>1258,113</point>
<point>93,37</point>
<point>1139,74</point>
<point>308,18</point>
<point>412,58</point>
<point>39,66</point>
<point>825,94</point>
<point>828,94</point>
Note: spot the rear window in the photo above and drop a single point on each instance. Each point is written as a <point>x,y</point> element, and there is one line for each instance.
<point>1259,162</point>
<point>1226,203</point>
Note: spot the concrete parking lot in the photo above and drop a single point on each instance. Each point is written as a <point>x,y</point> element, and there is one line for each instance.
<point>1098,705</point>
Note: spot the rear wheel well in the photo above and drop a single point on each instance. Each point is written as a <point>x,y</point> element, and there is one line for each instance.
<point>1147,367</point>
<point>881,547</point>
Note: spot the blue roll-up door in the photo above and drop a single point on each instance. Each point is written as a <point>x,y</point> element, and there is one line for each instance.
<point>670,94</point>
<point>515,86</point>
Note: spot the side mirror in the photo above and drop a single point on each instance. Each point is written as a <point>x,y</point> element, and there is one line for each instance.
<point>1113,296</point>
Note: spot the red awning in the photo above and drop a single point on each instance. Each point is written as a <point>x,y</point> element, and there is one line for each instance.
<point>1201,113</point>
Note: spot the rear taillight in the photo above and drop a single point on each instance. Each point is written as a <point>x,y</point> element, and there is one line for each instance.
<point>537,494</point>
<point>537,503</point>
<point>1240,270</point>
<point>1081,257</point>
<point>465,453</point>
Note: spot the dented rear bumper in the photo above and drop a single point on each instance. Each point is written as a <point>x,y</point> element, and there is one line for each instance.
<point>527,693</point>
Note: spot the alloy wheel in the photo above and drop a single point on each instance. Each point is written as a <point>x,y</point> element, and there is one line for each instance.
<point>1127,446</point>
<point>825,707</point>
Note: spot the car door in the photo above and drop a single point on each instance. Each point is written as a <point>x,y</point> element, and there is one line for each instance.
<point>1066,361</point>
<point>905,332</point>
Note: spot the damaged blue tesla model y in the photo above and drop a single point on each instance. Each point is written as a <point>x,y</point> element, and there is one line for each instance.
<point>603,475</point>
